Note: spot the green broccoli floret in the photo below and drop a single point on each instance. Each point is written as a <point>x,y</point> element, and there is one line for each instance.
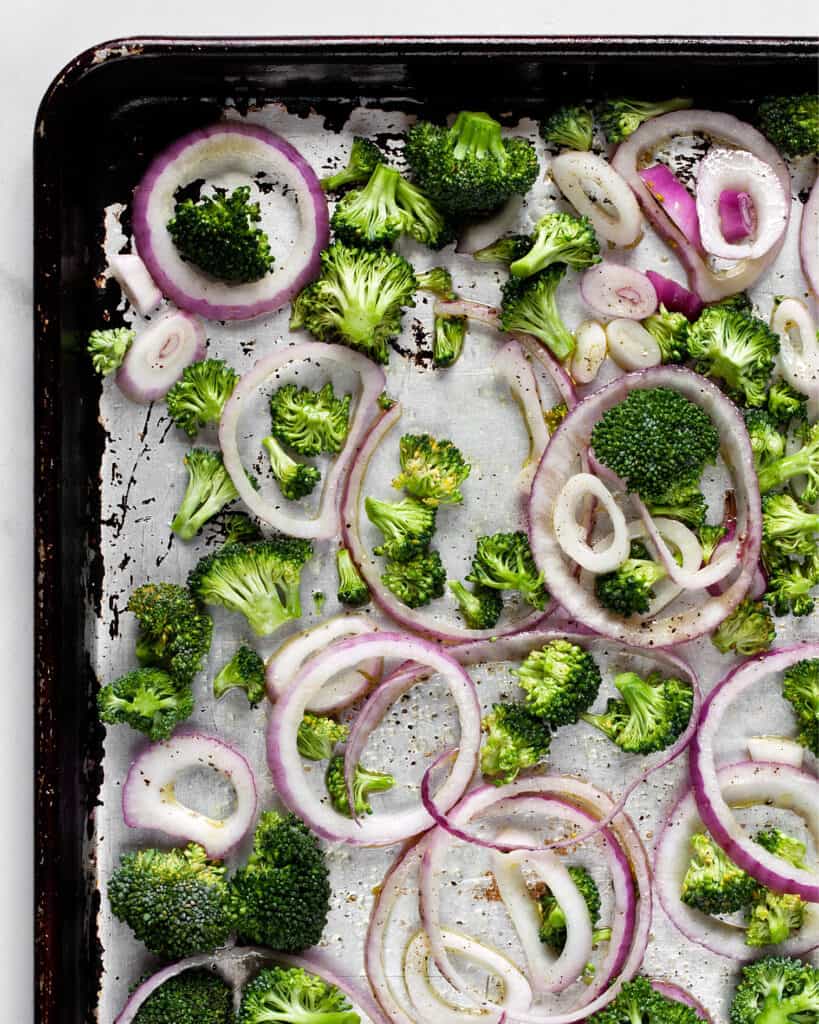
<point>561,680</point>
<point>245,670</point>
<point>504,250</point>
<point>295,479</point>
<point>310,422</point>
<point>108,348</point>
<point>787,526</point>
<point>713,884</point>
<point>569,126</point>
<point>773,917</point>
<point>652,714</point>
<point>622,117</point>
<point>365,156</point>
<point>358,299</point>
<point>448,339</point>
<point>709,537</point>
<point>554,417</point>
<point>530,305</point>
<point>480,607</point>
<point>352,589</point>
<point>438,281</point>
<point>431,470</point>
<point>685,502</point>
<point>670,331</point>
<point>782,845</point>
<point>259,580</point>
<point>804,462</point>
<point>656,440</point>
<point>209,490</point>
<point>174,901</point>
<point>217,234</point>
<point>515,739</point>
<point>193,997</point>
<point>777,990</point>
<point>630,587</point>
<point>503,561</point>
<point>767,442</point>
<point>749,629</point>
<point>385,402</point>
<point>735,348</point>
<point>174,632</point>
<point>637,1002</point>
<point>791,122</point>
<point>786,403</point>
<point>240,528</point>
<point>790,584</point>
<point>418,581</point>
<point>291,995</point>
<point>800,687</point>
<point>318,735</point>
<point>365,782</point>
<point>199,396</point>
<point>559,238</point>
<point>553,920</point>
<point>147,699</point>
<point>407,526</point>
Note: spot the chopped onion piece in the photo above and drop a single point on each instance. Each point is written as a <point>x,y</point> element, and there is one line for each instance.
<point>666,188</point>
<point>571,535</point>
<point>613,290</point>
<point>631,346</point>
<point>597,191</point>
<point>159,354</point>
<point>798,345</point>
<point>674,296</point>
<point>590,351</point>
<point>512,366</point>
<point>777,750</point>
<point>737,217</point>
<point>133,277</point>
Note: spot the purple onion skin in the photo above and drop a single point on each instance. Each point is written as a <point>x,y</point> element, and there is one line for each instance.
<point>735,215</point>
<point>679,995</point>
<point>675,199</point>
<point>675,297</point>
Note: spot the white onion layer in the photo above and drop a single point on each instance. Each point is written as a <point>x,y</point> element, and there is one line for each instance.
<point>594,188</point>
<point>134,279</point>
<point>776,750</point>
<point>798,345</point>
<point>590,351</point>
<point>159,354</point>
<point>571,534</point>
<point>631,346</point>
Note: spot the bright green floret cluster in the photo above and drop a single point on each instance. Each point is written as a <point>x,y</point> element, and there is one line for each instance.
<point>418,581</point>
<point>553,920</point>
<point>749,629</point>
<point>174,632</point>
<point>767,441</point>
<point>365,156</point>
<point>432,471</point>
<point>193,997</point>
<point>108,348</point>
<point>638,1003</point>
<point>310,422</point>
<point>559,238</point>
<point>448,339</point>
<point>239,528</point>
<point>503,561</point>
<point>407,527</point>
<point>777,990</point>
<point>736,348</point>
<point>318,735</point>
<point>438,281</point>
<point>685,502</point>
<point>560,680</point>
<point>365,782</point>
<point>148,700</point>
<point>800,687</point>
<point>352,589</point>
<point>291,995</point>
<point>530,305</point>
<point>295,479</point>
<point>515,739</point>
<point>804,462</point>
<point>480,607</point>
<point>244,671</point>
<point>790,583</point>
<point>622,117</point>
<point>787,527</point>
<point>792,123</point>
<point>629,589</point>
<point>670,331</point>
<point>786,403</point>
<point>713,884</point>
<point>209,490</point>
<point>652,714</point>
<point>199,396</point>
<point>570,126</point>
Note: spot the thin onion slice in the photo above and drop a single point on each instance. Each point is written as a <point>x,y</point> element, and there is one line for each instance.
<point>679,995</point>
<point>666,189</point>
<point>612,209</point>
<point>590,352</point>
<point>631,346</point>
<point>571,536</point>
<point>512,366</point>
<point>809,239</point>
<point>133,278</point>
<point>776,750</point>
<point>159,354</point>
<point>614,290</point>
<point>798,345</point>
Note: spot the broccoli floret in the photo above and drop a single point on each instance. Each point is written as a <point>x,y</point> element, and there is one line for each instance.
<point>790,584</point>
<point>569,126</point>
<point>553,920</point>
<point>791,122</point>
<point>291,995</point>
<point>777,990</point>
<point>710,538</point>
<point>685,502</point>
<point>656,440</point>
<point>767,442</point>
<point>385,402</point>
<point>259,580</point>
<point>358,299</point>
<point>174,901</point>
<point>787,526</point>
<point>365,156</point>
<point>530,305</point>
<point>295,479</point>
<point>785,403</point>
<point>779,843</point>
<point>670,331</point>
<point>310,422</point>
<point>240,528</point>
<point>749,629</point>
<point>318,735</point>
<point>515,739</point>
<point>199,396</point>
<point>504,250</point>
<point>480,607</point>
<point>437,280</point>
<point>365,782</point>
<point>621,117</point>
<point>448,339</point>
<point>174,632</point>
<point>431,470</point>
<point>107,348</point>
<point>559,238</point>
<point>713,884</point>
<point>652,714</point>
<point>193,997</point>
<point>209,490</point>
<point>245,670</point>
<point>554,417</point>
<point>637,1002</point>
<point>735,348</point>
<point>804,462</point>
<point>352,589</point>
<point>561,680</point>
<point>773,917</point>
<point>800,687</point>
<point>217,234</point>
<point>147,699</point>
<point>503,561</point>
<point>630,587</point>
<point>418,581</point>
<point>407,527</point>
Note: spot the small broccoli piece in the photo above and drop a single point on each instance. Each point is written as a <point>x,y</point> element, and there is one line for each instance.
<point>365,156</point>
<point>108,348</point>
<point>209,490</point>
<point>559,238</point>
<point>553,920</point>
<point>385,402</point>
<point>777,990</point>
<point>530,305</point>
<point>295,479</point>
<point>217,234</point>
<point>741,302</point>
<point>480,607</point>
<point>365,782</point>
<point>310,422</point>
<point>515,739</point>
<point>199,396</point>
<point>407,526</point>
<point>767,442</point>
<point>193,997</point>
<point>622,117</point>
<point>790,584</point>
<point>448,339</point>
<point>503,561</point>
<point>685,502</point>
<point>174,901</point>
<point>418,581</point>
<point>245,670</point>
<point>713,884</point>
<point>656,440</point>
<point>240,528</point>
<point>782,845</point>
<point>804,462</point>
<point>569,126</point>
<point>431,470</point>
<point>650,717</point>
<point>318,735</point>
<point>259,580</point>
<point>638,1003</point>
<point>504,250</point>
<point>554,417</point>
<point>438,281</point>
<point>786,403</point>
<point>710,538</point>
<point>787,526</point>
<point>560,680</point>
<point>735,348</point>
<point>749,629</point>
<point>358,299</point>
<point>147,699</point>
<point>352,589</point>
<point>773,917</point>
<point>791,123</point>
<point>291,995</point>
<point>670,331</point>
<point>630,587</point>
<point>175,633</point>
<point>800,687</point>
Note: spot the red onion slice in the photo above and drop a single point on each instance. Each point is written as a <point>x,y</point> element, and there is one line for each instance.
<point>159,354</point>
<point>133,278</point>
<point>596,190</point>
<point>613,290</point>
<point>667,190</point>
<point>674,297</point>
<point>571,535</point>
<point>777,750</point>
<point>512,366</point>
<point>809,239</point>
<point>207,152</point>
<point>149,801</point>
<point>798,346</point>
<point>672,991</point>
<point>737,216</point>
<point>325,524</point>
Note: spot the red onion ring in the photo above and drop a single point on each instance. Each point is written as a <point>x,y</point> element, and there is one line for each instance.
<point>667,189</point>
<point>736,214</point>
<point>673,991</point>
<point>159,354</point>
<point>674,297</point>
<point>512,366</point>
<point>809,239</point>
<point>614,290</point>
<point>139,287</point>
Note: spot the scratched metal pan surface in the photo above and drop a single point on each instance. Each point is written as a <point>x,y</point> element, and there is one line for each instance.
<point>109,474</point>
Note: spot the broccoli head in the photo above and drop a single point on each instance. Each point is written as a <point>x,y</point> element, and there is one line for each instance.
<point>503,561</point>
<point>240,528</point>
<point>670,331</point>
<point>777,990</point>
<point>310,422</point>
<point>638,1002</point>
<point>652,714</point>
<point>209,490</point>
<point>365,156</point>
<point>559,238</point>
<point>792,123</point>
<point>448,339</point>
<point>199,396</point>
<point>530,305</point>
<point>108,348</point>
<point>800,686</point>
<point>685,502</point>
<point>504,250</point>
<point>773,917</point>
<point>438,281</point>
<point>713,884</point>
<point>432,471</point>
<point>710,537</point>
<point>352,589</point>
<point>622,117</point>
<point>318,735</point>
<point>749,629</point>
<point>570,126</point>
<point>804,462</point>
<point>174,632</point>
<point>787,526</point>
<point>767,442</point>
<point>786,403</point>
<point>365,782</point>
<point>790,584</point>
<point>552,918</point>
<point>418,581</point>
<point>244,671</point>
<point>630,587</point>
<point>147,699</point>
<point>554,417</point>
<point>295,479</point>
<point>736,348</point>
<point>515,739</point>
<point>480,607</point>
<point>407,526</point>
<point>193,997</point>
<point>291,995</point>
<point>561,680</point>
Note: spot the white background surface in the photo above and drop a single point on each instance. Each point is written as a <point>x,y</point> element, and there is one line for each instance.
<point>37,39</point>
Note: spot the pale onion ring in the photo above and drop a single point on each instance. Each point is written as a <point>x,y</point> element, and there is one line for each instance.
<point>572,170</point>
<point>512,366</point>
<point>571,536</point>
<point>590,352</point>
<point>614,290</point>
<point>798,345</point>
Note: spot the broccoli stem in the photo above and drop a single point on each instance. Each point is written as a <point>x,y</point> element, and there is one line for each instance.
<point>478,135</point>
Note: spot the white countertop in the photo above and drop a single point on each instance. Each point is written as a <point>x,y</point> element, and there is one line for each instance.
<point>40,36</point>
